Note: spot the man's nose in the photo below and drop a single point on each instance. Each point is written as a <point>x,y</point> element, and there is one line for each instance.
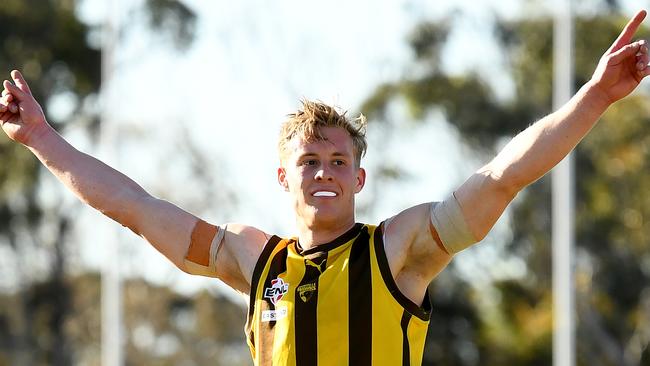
<point>323,174</point>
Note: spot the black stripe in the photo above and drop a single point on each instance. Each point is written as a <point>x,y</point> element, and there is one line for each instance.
<point>257,272</point>
<point>277,266</point>
<point>406,352</point>
<point>424,311</point>
<point>306,306</point>
<point>360,301</point>
<point>259,268</point>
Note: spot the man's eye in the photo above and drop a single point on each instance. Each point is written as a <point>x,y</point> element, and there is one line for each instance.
<point>339,162</point>
<point>309,162</point>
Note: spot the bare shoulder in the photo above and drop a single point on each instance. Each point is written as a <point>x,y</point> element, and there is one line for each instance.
<point>240,249</point>
<point>411,246</point>
<point>400,231</point>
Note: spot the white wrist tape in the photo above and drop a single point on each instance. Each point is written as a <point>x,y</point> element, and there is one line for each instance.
<point>448,220</point>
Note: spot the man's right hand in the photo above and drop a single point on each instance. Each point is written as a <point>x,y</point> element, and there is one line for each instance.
<point>21,116</point>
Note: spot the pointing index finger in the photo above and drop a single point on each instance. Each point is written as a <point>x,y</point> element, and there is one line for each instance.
<point>628,32</point>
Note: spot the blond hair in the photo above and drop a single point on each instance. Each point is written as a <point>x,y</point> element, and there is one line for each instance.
<point>306,123</point>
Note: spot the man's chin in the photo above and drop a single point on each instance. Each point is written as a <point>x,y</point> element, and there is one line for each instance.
<point>323,217</point>
<point>320,213</point>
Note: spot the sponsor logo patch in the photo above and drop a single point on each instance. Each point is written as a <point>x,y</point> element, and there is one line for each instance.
<point>276,291</point>
<point>273,315</point>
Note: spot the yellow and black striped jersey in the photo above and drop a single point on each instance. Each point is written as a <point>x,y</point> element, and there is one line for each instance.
<point>334,304</point>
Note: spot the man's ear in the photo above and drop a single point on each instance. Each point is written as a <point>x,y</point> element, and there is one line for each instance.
<point>282,179</point>
<point>361,180</point>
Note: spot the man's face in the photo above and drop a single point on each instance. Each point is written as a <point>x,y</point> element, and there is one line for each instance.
<point>322,178</point>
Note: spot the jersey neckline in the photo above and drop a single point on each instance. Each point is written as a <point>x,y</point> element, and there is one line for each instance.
<point>342,239</point>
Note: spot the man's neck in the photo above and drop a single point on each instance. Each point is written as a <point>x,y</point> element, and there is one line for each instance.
<point>314,235</point>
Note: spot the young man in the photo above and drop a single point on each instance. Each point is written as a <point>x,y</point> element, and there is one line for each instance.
<point>340,292</point>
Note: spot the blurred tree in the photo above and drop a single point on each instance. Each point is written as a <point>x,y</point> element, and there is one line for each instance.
<point>47,42</point>
<point>50,45</point>
<point>162,327</point>
<point>515,327</point>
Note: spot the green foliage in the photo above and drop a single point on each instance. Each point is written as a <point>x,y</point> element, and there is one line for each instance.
<point>426,39</point>
<point>48,43</point>
<point>460,98</point>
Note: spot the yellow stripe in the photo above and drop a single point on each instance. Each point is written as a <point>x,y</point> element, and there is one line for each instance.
<point>417,333</point>
<point>386,318</point>
<point>332,309</point>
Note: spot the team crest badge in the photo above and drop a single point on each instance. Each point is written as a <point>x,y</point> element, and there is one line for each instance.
<point>306,291</point>
<point>276,291</point>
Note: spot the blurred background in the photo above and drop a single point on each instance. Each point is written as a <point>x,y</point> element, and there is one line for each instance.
<point>191,107</point>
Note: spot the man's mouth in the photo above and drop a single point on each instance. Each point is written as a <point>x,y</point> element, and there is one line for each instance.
<point>324,194</point>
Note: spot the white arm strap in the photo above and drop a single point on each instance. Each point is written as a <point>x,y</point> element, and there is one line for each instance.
<point>448,220</point>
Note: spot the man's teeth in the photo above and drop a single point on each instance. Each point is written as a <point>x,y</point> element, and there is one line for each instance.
<point>324,194</point>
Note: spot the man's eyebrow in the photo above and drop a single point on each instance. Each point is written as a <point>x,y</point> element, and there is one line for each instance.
<point>311,154</point>
<point>307,155</point>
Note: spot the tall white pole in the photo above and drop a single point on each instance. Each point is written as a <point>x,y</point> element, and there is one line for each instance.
<point>563,198</point>
<point>111,287</point>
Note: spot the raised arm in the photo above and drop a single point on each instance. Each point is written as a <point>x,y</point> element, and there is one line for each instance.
<point>421,240</point>
<point>167,227</point>
<point>536,150</point>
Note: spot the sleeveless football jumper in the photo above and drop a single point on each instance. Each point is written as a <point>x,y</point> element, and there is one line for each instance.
<point>334,304</point>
